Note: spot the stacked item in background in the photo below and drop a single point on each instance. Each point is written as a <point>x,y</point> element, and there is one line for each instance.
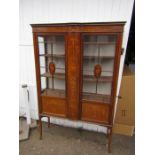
<point>125,113</point>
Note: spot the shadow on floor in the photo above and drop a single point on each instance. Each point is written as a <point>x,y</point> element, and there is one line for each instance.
<point>68,141</point>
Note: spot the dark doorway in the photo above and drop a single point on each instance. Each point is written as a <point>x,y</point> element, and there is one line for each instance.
<point>130,53</point>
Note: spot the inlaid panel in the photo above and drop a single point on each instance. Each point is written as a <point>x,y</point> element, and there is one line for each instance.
<point>53,106</point>
<point>95,112</point>
<point>73,75</point>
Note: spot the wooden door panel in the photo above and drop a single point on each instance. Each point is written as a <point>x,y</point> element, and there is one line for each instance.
<point>95,112</point>
<point>53,106</point>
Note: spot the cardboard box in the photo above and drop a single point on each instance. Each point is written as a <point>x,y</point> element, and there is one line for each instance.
<point>125,113</point>
<point>123,129</point>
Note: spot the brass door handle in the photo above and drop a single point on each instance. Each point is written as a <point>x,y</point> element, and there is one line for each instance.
<point>119,97</point>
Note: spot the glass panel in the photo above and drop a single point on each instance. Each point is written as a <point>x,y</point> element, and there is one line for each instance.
<point>98,63</point>
<point>52,65</point>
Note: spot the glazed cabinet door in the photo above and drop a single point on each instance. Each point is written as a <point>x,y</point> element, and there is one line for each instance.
<point>97,76</point>
<point>52,63</point>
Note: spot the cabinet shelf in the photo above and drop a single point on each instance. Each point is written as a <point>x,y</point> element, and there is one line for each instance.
<point>46,42</point>
<point>49,42</point>
<point>53,92</point>
<point>96,97</point>
<point>56,75</point>
<point>96,57</point>
<point>56,68</point>
<point>89,78</point>
<point>99,43</point>
<point>54,55</point>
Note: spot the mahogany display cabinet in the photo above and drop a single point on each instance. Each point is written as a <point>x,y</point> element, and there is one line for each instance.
<point>77,67</point>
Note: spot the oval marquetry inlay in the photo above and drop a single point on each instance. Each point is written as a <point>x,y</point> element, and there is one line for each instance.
<point>51,68</point>
<point>97,71</point>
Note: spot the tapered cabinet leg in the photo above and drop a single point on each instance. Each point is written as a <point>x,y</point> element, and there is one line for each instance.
<point>109,134</point>
<point>48,122</point>
<point>40,127</point>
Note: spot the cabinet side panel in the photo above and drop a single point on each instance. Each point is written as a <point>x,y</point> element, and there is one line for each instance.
<point>37,66</point>
<point>73,75</point>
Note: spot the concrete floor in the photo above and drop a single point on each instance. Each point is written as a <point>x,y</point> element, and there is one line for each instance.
<point>68,141</point>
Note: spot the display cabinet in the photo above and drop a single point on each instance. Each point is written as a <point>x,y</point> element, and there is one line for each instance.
<point>77,68</point>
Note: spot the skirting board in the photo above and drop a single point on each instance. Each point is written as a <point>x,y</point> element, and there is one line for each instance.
<point>66,122</point>
<point>76,124</point>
